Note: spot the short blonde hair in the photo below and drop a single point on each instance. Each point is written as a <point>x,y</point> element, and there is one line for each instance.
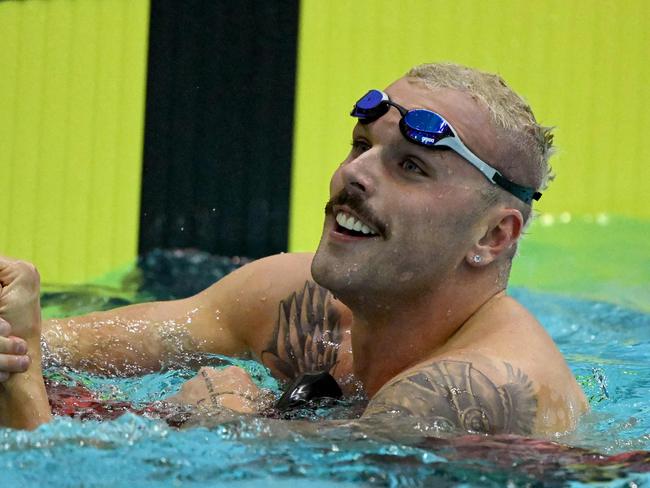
<point>510,113</point>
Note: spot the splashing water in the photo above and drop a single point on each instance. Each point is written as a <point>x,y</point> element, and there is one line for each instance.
<point>607,346</point>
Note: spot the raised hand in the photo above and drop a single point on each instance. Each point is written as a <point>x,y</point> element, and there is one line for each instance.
<point>23,399</point>
<point>20,298</point>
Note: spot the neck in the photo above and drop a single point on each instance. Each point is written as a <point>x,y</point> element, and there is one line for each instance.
<point>389,337</point>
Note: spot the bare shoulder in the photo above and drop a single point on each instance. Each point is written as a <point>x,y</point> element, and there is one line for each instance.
<point>288,321</point>
<point>260,281</point>
<point>462,394</point>
<point>501,373</point>
<point>510,333</point>
<point>507,331</point>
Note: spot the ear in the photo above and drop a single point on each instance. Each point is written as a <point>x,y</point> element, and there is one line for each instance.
<point>503,230</point>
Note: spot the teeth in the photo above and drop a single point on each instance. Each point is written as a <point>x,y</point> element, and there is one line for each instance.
<point>349,222</point>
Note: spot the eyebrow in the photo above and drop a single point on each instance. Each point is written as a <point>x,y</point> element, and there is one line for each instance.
<point>427,155</point>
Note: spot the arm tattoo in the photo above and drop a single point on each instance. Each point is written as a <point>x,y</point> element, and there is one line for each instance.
<point>454,396</point>
<point>307,335</point>
<point>214,398</point>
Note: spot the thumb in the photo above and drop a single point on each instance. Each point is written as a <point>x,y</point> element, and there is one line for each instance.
<point>5,261</point>
<point>5,268</point>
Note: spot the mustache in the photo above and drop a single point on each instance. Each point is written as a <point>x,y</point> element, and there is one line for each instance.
<point>358,205</point>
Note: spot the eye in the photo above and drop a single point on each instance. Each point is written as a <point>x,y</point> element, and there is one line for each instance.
<point>360,146</point>
<point>410,166</point>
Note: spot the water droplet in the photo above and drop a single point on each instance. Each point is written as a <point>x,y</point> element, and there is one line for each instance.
<point>547,220</point>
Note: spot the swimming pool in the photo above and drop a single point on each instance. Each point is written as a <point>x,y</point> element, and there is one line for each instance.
<point>588,283</point>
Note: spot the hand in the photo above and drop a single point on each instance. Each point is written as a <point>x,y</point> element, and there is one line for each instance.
<point>230,388</point>
<point>13,353</point>
<point>20,298</point>
<point>23,399</point>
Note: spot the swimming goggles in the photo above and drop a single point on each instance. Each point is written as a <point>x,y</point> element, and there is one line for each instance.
<point>427,128</point>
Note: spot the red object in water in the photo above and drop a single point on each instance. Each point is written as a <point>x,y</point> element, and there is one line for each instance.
<point>80,403</point>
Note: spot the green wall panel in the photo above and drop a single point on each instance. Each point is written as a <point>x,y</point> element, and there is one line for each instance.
<point>72,88</point>
<point>582,65</point>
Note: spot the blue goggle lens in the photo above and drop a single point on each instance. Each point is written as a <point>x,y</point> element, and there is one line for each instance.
<point>427,121</point>
<point>372,105</point>
<point>370,100</point>
<point>427,128</point>
<point>424,127</point>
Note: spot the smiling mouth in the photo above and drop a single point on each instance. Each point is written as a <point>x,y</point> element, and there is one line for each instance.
<point>351,226</point>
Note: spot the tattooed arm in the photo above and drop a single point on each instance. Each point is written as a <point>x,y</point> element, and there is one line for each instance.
<point>231,317</point>
<point>216,391</point>
<point>440,398</point>
<point>444,397</point>
<point>456,397</point>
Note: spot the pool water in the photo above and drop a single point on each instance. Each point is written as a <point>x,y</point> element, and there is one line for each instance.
<point>594,306</point>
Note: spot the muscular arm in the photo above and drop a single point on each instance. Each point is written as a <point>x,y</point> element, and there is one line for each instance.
<point>139,337</point>
<point>443,397</point>
<point>455,396</point>
<point>224,319</point>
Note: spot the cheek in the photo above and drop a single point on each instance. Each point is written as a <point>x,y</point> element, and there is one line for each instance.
<point>432,226</point>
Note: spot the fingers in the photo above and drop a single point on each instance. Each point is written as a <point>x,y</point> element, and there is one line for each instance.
<point>5,264</point>
<point>13,364</point>
<point>4,261</point>
<point>13,345</point>
<point>12,269</point>
<point>10,344</point>
<point>13,352</point>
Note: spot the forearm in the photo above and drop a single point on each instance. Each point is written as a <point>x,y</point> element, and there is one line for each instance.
<point>112,342</point>
<point>23,399</point>
<point>138,338</point>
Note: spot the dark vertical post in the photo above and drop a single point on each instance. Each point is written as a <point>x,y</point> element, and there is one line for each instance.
<point>219,126</point>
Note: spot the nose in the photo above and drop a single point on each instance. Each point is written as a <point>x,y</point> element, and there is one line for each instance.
<point>359,174</point>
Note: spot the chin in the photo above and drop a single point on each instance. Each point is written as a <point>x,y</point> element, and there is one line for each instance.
<point>324,270</point>
<point>347,282</point>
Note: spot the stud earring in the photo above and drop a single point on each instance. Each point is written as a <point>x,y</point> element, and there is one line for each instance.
<point>477,258</point>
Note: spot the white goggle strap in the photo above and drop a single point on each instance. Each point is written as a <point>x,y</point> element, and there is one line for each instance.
<point>457,145</point>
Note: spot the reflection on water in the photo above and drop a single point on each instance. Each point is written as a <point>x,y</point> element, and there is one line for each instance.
<point>607,346</point>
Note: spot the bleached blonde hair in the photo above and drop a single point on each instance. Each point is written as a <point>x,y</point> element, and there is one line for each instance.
<point>511,114</point>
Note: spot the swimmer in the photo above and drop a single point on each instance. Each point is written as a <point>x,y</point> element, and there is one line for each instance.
<point>404,296</point>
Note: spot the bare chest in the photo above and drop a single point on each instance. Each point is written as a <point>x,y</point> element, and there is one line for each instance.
<point>311,333</point>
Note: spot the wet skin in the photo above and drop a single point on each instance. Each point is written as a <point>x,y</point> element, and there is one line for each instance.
<point>407,312</point>
<point>418,306</point>
<point>426,199</point>
<point>431,204</point>
<point>413,288</point>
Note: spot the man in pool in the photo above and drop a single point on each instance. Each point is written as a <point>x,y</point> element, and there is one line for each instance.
<point>404,296</point>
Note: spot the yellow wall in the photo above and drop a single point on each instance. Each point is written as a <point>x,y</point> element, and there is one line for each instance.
<point>582,64</point>
<point>72,84</point>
